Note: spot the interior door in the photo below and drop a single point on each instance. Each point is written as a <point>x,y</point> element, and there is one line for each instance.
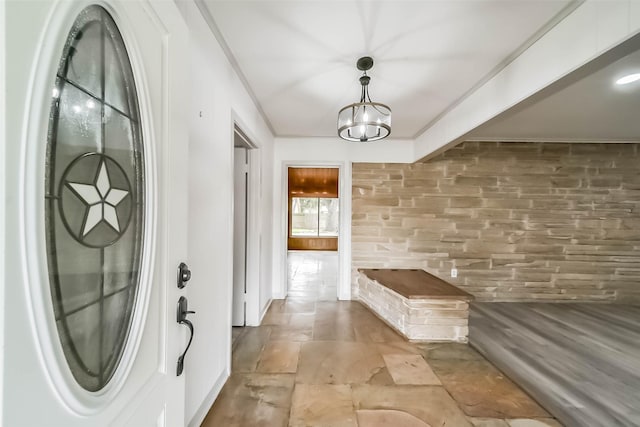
<point>95,210</point>
<point>240,182</point>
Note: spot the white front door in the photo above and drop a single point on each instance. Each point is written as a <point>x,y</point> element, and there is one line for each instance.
<point>95,213</point>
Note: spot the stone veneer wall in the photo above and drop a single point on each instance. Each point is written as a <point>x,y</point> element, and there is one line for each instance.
<point>520,221</point>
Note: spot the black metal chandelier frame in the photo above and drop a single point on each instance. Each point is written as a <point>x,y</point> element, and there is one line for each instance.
<point>366,115</point>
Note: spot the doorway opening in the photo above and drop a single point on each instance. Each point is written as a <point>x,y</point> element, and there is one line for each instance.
<point>312,232</point>
<point>242,147</point>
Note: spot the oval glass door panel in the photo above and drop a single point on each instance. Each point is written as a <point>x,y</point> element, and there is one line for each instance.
<point>94,198</point>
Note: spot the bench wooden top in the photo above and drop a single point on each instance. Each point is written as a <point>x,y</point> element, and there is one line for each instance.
<point>416,284</point>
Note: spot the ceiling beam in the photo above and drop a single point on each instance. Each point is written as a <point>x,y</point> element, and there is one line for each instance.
<point>592,29</point>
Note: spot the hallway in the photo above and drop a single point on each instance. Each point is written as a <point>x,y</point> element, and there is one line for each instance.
<point>312,275</point>
<point>319,363</point>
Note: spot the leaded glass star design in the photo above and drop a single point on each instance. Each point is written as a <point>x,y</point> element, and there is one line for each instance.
<point>101,200</point>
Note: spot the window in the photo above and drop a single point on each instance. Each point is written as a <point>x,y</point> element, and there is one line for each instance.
<point>314,217</point>
<point>94,198</point>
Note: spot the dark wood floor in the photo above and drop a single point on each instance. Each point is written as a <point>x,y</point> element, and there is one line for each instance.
<point>580,361</point>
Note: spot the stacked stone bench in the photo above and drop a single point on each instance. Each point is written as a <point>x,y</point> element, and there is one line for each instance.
<point>418,305</point>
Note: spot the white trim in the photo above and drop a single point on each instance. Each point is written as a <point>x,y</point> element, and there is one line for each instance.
<point>252,273</point>
<point>344,236</point>
<point>280,286</point>
<point>265,309</point>
<point>206,404</point>
<point>232,283</point>
<point>3,179</point>
<point>280,233</point>
<point>230,219</point>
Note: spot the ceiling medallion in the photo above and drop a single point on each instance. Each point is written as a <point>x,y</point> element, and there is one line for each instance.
<point>364,121</point>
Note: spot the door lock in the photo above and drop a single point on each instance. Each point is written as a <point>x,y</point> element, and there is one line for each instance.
<point>184,275</point>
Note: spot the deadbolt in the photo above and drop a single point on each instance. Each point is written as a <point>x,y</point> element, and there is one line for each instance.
<point>184,275</point>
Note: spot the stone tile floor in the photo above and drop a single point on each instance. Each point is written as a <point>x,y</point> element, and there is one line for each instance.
<point>312,275</point>
<point>330,364</point>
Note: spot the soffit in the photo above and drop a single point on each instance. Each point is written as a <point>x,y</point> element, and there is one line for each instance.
<point>585,106</point>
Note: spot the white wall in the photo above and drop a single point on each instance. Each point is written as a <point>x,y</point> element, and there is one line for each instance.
<point>324,152</point>
<point>217,100</point>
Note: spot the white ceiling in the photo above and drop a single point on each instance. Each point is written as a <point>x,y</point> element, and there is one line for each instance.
<point>298,57</point>
<point>585,106</point>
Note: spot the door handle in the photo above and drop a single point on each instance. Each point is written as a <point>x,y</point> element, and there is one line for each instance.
<point>182,320</point>
<point>184,275</point>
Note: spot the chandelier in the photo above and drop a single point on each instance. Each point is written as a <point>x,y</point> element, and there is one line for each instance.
<point>364,121</point>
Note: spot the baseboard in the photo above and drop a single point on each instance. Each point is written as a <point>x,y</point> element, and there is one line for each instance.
<point>264,311</point>
<point>202,411</point>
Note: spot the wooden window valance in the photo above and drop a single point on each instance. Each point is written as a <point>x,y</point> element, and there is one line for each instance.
<point>313,182</point>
